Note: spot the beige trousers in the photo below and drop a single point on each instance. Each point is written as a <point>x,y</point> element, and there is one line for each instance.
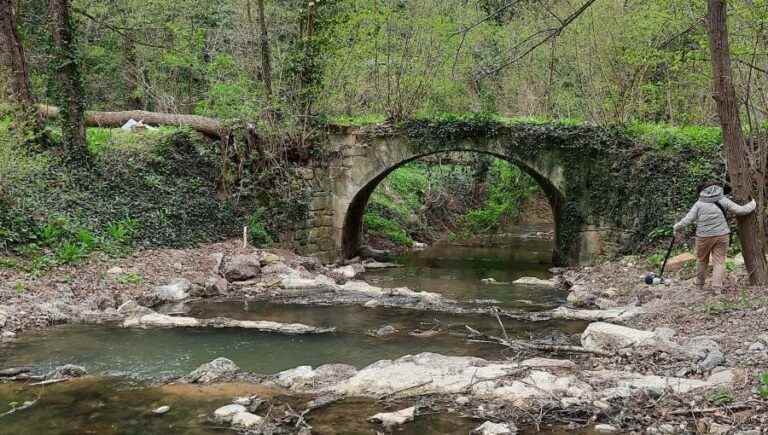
<point>714,248</point>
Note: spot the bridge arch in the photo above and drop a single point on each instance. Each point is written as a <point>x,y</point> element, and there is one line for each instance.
<point>547,176</point>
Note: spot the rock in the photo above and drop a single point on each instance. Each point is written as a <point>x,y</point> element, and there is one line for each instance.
<point>679,261</point>
<point>161,410</point>
<point>665,334</point>
<point>176,290</point>
<point>3,315</point>
<point>376,254</point>
<point>219,369</point>
<point>613,314</point>
<point>319,282</point>
<point>242,267</point>
<point>610,337</point>
<point>580,296</point>
<point>462,400</point>
<point>66,371</point>
<point>392,419</point>
<point>748,432</point>
<point>115,270</point>
<point>380,265</point>
<point>705,351</point>
<point>157,320</point>
<point>373,303</point>
<point>488,281</point>
<point>757,347</point>
<point>726,377</point>
<point>490,428</point>
<point>225,413</point>
<point>215,286</point>
<point>268,258</point>
<point>419,246</point>
<point>527,280</point>
<point>602,405</point>
<point>605,428</point>
<point>7,335</point>
<point>345,272</point>
<point>245,400</point>
<point>624,382</point>
<point>246,420</point>
<point>385,330</point>
<point>131,308</point>
<point>307,378</point>
<point>549,363</point>
<point>214,265</point>
<point>718,429</point>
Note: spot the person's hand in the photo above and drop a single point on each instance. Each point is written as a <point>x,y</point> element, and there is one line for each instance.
<point>679,236</point>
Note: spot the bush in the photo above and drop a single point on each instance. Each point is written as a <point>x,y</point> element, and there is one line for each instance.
<point>257,232</point>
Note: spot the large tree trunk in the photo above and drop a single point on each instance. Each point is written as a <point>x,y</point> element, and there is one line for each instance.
<point>70,85</point>
<point>208,126</point>
<point>266,61</point>
<point>12,60</point>
<point>737,152</point>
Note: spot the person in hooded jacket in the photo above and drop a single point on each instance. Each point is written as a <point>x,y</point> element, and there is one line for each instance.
<point>712,231</point>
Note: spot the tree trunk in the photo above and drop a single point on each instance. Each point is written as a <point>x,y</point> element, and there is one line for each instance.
<point>12,60</point>
<point>266,61</point>
<point>67,68</point>
<point>737,152</point>
<point>208,126</point>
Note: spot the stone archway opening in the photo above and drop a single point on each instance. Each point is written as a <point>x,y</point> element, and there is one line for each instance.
<point>353,224</point>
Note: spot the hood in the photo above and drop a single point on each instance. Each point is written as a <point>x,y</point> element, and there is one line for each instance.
<point>711,194</point>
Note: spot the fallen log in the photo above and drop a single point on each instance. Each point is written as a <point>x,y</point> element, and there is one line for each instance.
<point>519,344</point>
<point>211,127</point>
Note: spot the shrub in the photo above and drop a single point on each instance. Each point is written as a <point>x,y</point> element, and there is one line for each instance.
<point>257,232</point>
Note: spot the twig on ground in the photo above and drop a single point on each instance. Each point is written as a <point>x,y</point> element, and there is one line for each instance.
<point>516,344</point>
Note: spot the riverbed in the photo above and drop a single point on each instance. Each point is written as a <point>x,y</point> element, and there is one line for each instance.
<point>125,359</point>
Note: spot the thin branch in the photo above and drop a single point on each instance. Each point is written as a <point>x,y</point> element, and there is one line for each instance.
<point>551,33</point>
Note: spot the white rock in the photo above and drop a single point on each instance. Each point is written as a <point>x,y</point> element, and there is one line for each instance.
<point>115,270</point>
<point>606,428</point>
<point>225,413</point>
<point>347,272</point>
<point>8,335</point>
<point>613,314</point>
<point>391,419</point>
<point>289,377</point>
<point>528,280</point>
<point>176,290</point>
<point>607,336</point>
<point>549,363</point>
<point>244,400</point>
<point>246,420</point>
<point>757,347</point>
<point>218,369</point>
<point>462,400</point>
<point>161,410</point>
<point>316,283</point>
<point>380,265</point>
<point>490,428</point>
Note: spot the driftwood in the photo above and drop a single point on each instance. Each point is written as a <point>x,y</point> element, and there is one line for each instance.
<point>13,371</point>
<point>19,408</point>
<point>736,407</point>
<point>48,382</point>
<point>519,344</point>
<point>208,126</point>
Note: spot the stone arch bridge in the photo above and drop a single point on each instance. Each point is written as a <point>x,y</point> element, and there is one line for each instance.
<point>564,160</point>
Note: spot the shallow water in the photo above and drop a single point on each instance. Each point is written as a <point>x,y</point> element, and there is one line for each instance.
<point>457,272</point>
<point>116,405</point>
<point>110,406</point>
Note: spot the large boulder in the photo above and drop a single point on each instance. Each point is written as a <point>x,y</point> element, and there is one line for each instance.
<point>215,286</point>
<point>704,351</point>
<point>220,369</point>
<point>246,420</point>
<point>242,267</point>
<point>609,337</point>
<point>176,290</point>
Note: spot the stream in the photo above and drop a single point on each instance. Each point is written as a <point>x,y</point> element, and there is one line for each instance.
<point>117,402</point>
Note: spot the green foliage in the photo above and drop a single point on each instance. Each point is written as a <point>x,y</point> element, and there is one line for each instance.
<point>121,231</point>
<point>130,278</point>
<point>387,228</point>
<point>257,231</point>
<point>762,389</point>
<point>726,305</point>
<point>721,397</point>
<point>70,252</point>
<point>671,138</point>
